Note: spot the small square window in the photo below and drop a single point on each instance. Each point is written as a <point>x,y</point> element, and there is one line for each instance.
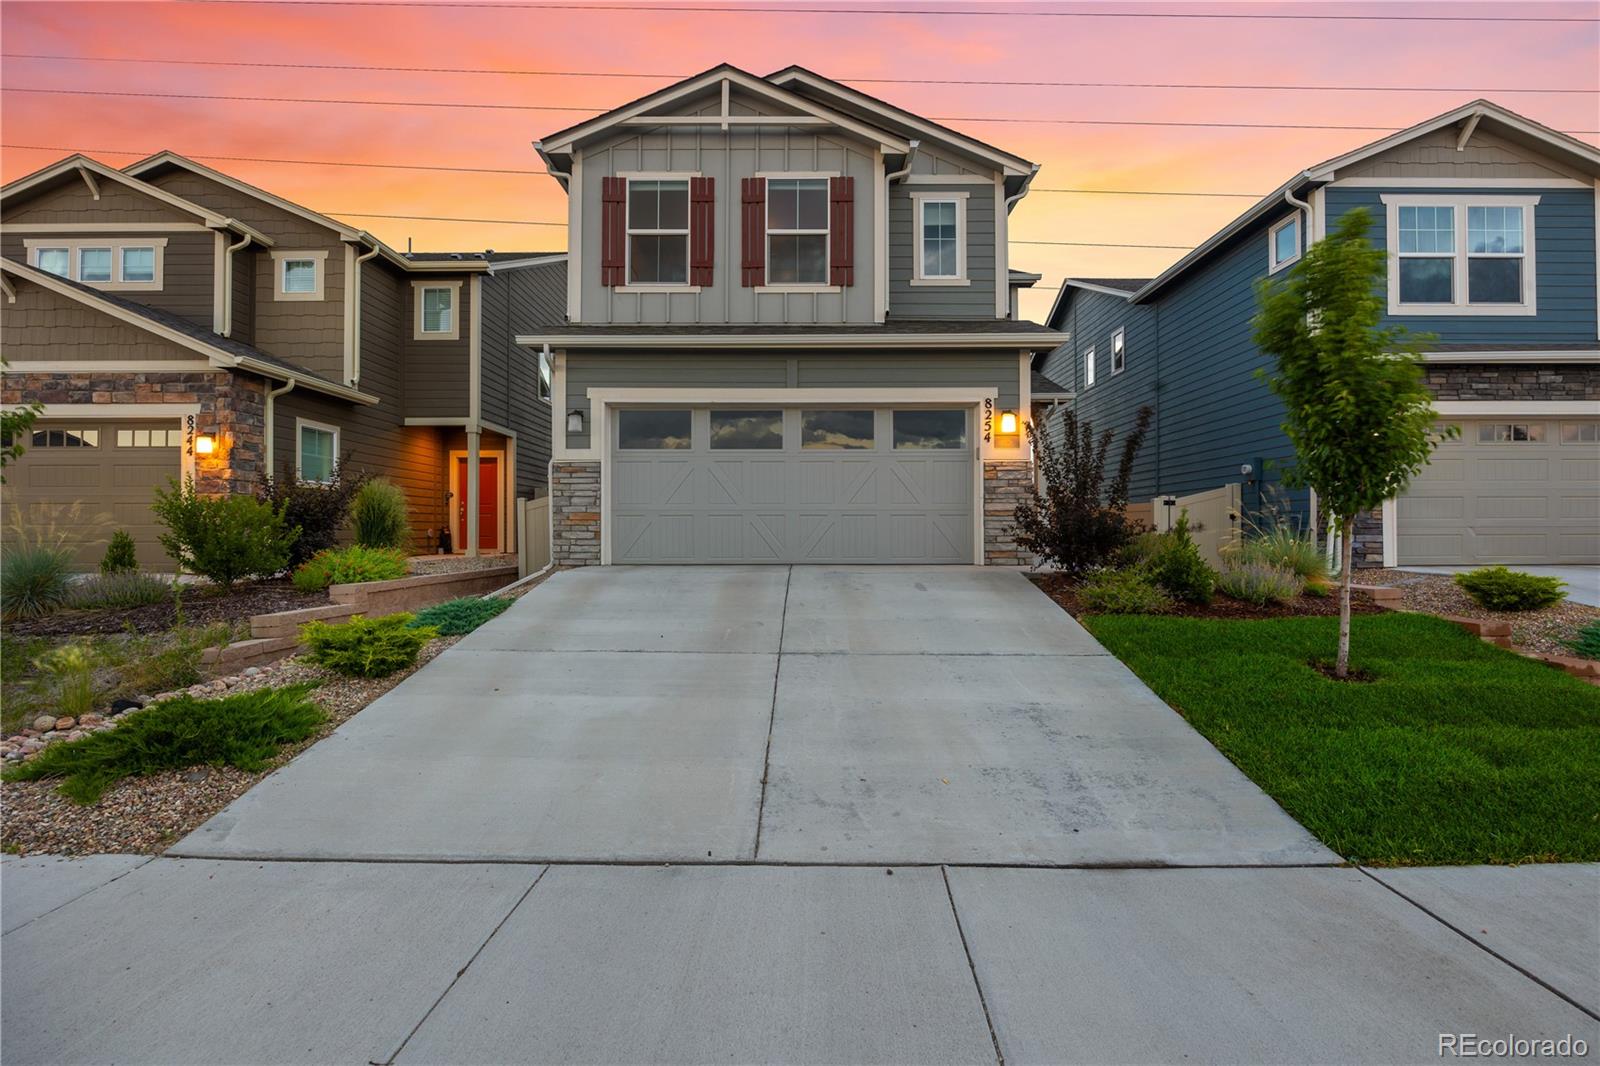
<point>138,264</point>
<point>57,261</point>
<point>300,276</point>
<point>1283,243</point>
<point>94,264</point>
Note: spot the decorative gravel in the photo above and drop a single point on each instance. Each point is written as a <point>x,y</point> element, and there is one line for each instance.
<point>1542,631</point>
<point>148,814</point>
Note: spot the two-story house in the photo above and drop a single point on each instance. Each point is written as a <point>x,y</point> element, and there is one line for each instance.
<point>790,333</point>
<point>1489,222</point>
<point>176,321</point>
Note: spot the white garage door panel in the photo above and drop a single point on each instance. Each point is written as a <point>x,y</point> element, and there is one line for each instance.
<point>1520,501</point>
<point>791,504</point>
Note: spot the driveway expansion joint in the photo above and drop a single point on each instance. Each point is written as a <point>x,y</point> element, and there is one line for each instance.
<point>772,717</point>
<point>972,967</point>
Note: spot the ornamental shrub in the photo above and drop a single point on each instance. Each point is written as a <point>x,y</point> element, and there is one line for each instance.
<point>33,579</point>
<point>244,731</point>
<point>1587,643</point>
<point>120,555</point>
<point>318,508</point>
<point>1131,591</point>
<point>1259,583</point>
<point>379,516</point>
<point>68,676</point>
<point>118,589</point>
<point>1496,588</point>
<point>367,647</point>
<point>1179,569</point>
<point>223,538</point>
<point>1286,549</point>
<point>454,618</point>
<point>345,566</point>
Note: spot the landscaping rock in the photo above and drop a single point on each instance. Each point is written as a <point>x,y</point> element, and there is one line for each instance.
<point>64,724</point>
<point>91,719</point>
<point>44,722</point>
<point>251,671</point>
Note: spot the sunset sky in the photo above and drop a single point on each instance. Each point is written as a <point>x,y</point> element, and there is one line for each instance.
<point>624,54</point>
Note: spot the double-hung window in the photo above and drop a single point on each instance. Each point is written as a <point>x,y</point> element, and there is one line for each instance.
<point>941,235</point>
<point>438,310</point>
<point>1461,255</point>
<point>797,231</point>
<point>658,231</point>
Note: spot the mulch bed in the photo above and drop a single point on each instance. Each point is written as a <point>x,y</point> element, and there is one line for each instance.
<point>1063,590</point>
<point>148,814</point>
<point>202,605</point>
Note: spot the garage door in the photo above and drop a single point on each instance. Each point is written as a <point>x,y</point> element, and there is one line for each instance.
<point>791,485</point>
<point>1507,491</point>
<point>88,478</point>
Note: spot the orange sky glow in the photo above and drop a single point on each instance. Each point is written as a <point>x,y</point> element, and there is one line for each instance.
<point>1012,41</point>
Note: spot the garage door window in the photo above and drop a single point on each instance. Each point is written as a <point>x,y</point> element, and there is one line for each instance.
<point>1580,432</point>
<point>836,429</point>
<point>746,430</point>
<point>652,430</point>
<point>149,438</point>
<point>924,430</point>
<point>1510,433</point>
<point>66,438</point>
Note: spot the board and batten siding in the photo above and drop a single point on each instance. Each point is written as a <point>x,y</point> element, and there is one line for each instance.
<point>728,157</point>
<point>1564,264</point>
<point>975,300</point>
<point>1114,400</point>
<point>853,370</point>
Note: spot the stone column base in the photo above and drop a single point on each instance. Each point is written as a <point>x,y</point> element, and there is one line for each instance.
<point>575,514</point>
<point>1005,485</point>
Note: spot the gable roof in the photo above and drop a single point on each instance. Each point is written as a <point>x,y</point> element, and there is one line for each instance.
<point>83,164</point>
<point>345,233</point>
<point>1123,287</point>
<point>225,352</point>
<point>561,142</point>
<point>798,75</point>
<point>1478,114</point>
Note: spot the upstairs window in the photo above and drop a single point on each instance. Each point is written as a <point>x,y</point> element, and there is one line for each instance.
<point>797,231</point>
<point>438,316</point>
<point>94,264</point>
<point>56,261</point>
<point>1119,354</point>
<point>299,275</point>
<point>1464,255</point>
<point>658,232</point>
<point>542,387</point>
<point>941,235</point>
<point>1088,368</point>
<point>1283,244</point>
<point>109,264</point>
<point>138,263</point>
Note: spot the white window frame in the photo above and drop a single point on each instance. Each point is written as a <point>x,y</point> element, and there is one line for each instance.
<point>628,233</point>
<point>418,288</point>
<point>307,423</point>
<point>1461,256</point>
<point>1088,367</point>
<point>544,379</point>
<point>919,201</point>
<point>280,265</point>
<point>120,254</point>
<point>1274,264</point>
<point>1119,350</point>
<point>827,233</point>
<point>74,247</point>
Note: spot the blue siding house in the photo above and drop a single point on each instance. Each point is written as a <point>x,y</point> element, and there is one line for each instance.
<point>1489,221</point>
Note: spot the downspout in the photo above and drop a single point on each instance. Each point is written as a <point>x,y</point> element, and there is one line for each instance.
<point>890,179</point>
<point>911,157</point>
<point>355,320</point>
<point>272,394</point>
<point>227,283</point>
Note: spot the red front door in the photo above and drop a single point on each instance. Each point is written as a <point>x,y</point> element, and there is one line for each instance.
<point>488,503</point>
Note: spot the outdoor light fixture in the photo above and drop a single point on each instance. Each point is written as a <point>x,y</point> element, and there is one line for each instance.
<point>574,421</point>
<point>205,444</point>
<point>1008,423</point>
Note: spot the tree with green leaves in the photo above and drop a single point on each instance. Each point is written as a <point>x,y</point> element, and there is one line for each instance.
<point>1356,409</point>
<point>15,422</point>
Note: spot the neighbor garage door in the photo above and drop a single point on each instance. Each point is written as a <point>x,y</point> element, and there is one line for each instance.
<point>791,485</point>
<point>86,478</point>
<point>1507,491</point>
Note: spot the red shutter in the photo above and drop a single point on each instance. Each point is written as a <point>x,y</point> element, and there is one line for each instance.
<point>842,227</point>
<point>613,231</point>
<point>753,232</point>
<point>702,229</point>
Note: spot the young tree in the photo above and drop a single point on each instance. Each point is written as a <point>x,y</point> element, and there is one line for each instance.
<point>1356,409</point>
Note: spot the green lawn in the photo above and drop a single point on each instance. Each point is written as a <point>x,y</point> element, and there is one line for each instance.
<point>1455,752</point>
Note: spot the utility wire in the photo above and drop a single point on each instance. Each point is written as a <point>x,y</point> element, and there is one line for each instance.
<point>864,81</point>
<point>598,110</point>
<point>933,12</point>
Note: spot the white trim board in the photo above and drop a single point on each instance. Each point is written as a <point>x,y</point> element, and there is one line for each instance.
<point>793,397</point>
<point>1461,256</point>
<point>119,410</point>
<point>1508,184</point>
<point>1031,341</point>
<point>1489,408</point>
<point>1513,357</point>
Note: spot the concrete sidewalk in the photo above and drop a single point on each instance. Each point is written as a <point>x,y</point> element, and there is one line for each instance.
<point>191,961</point>
<point>805,714</point>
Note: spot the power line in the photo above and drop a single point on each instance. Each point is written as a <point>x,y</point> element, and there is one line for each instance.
<point>864,81</point>
<point>551,107</point>
<point>141,153</point>
<point>926,12</point>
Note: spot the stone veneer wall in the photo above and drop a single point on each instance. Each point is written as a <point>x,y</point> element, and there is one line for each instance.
<point>232,403</point>
<point>1515,381</point>
<point>1005,485</point>
<point>575,514</point>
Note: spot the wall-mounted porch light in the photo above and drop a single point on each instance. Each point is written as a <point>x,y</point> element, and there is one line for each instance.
<point>574,421</point>
<point>205,444</point>
<point>1008,423</point>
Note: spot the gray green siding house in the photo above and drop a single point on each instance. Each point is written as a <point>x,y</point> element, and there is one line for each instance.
<point>1489,220</point>
<point>176,321</point>
<point>789,332</point>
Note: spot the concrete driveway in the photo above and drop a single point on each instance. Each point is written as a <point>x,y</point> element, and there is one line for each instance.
<point>806,714</point>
